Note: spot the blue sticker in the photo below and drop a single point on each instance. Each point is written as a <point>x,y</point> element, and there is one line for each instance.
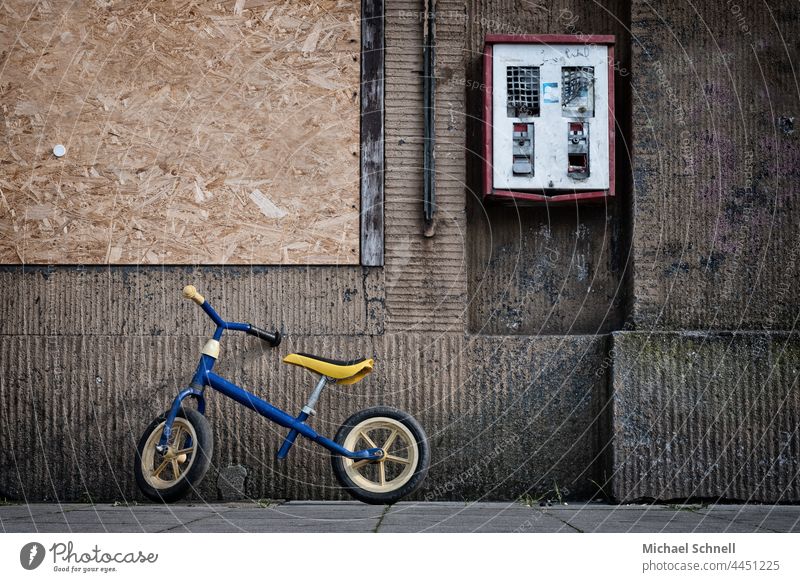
<point>550,93</point>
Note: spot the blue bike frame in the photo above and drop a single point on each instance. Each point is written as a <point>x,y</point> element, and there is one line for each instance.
<point>204,376</point>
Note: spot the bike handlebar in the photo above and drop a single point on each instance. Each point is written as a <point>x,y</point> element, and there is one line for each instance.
<point>272,338</point>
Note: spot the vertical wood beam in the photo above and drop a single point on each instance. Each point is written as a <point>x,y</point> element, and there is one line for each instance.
<point>372,132</point>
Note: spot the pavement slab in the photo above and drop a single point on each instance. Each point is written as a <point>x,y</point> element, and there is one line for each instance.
<point>312,516</point>
<point>643,520</point>
<point>463,517</point>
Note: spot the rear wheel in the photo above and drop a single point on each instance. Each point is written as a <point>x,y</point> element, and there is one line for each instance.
<point>169,476</point>
<point>404,464</point>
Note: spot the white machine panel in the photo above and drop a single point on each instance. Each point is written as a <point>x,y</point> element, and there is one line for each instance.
<point>550,117</point>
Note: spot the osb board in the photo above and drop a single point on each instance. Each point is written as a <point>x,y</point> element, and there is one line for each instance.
<point>196,132</point>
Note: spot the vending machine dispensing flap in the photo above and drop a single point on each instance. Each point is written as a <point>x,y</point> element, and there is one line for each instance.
<point>578,150</point>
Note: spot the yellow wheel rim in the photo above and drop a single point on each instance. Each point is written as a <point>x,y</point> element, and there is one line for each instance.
<point>162,471</point>
<point>399,461</point>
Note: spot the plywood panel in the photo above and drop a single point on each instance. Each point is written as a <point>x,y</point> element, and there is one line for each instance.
<point>195,132</point>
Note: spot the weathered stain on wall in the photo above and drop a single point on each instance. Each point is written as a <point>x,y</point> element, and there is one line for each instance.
<point>715,239</point>
<point>703,414</point>
<point>727,430</point>
<point>195,133</point>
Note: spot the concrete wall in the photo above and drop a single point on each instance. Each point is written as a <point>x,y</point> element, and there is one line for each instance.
<point>715,244</point>
<point>497,430</point>
<point>709,416</point>
<point>89,356</point>
<point>715,165</point>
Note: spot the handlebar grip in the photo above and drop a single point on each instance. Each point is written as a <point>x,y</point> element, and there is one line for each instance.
<point>272,338</point>
<point>190,292</point>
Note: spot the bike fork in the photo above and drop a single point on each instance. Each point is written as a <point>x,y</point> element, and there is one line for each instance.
<point>194,391</point>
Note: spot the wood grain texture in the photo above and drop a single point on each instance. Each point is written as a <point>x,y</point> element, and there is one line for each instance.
<point>195,132</point>
<point>372,133</point>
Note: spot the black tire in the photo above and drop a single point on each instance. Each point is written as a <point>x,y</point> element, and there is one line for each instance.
<point>409,476</point>
<point>193,431</point>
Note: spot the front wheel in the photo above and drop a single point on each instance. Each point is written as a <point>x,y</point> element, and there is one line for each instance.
<point>169,476</point>
<point>403,466</point>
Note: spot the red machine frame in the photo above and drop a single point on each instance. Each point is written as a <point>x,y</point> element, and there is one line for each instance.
<point>492,39</point>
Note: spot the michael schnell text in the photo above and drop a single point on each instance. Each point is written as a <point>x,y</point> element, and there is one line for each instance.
<point>687,548</point>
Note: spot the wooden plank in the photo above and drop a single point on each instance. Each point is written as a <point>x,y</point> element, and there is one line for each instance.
<point>199,133</point>
<point>372,132</point>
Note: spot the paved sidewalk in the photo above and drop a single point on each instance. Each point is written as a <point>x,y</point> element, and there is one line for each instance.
<point>310,516</point>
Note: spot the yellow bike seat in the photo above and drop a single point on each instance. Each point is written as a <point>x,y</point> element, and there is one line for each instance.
<point>344,372</point>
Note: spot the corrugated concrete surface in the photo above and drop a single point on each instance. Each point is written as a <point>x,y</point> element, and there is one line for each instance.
<point>711,416</point>
<point>716,165</point>
<point>134,301</point>
<point>505,416</point>
<point>425,277</point>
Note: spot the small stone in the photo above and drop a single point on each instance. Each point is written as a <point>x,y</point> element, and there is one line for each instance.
<point>230,483</point>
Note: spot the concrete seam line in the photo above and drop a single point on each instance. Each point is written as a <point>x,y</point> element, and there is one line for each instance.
<point>380,519</point>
